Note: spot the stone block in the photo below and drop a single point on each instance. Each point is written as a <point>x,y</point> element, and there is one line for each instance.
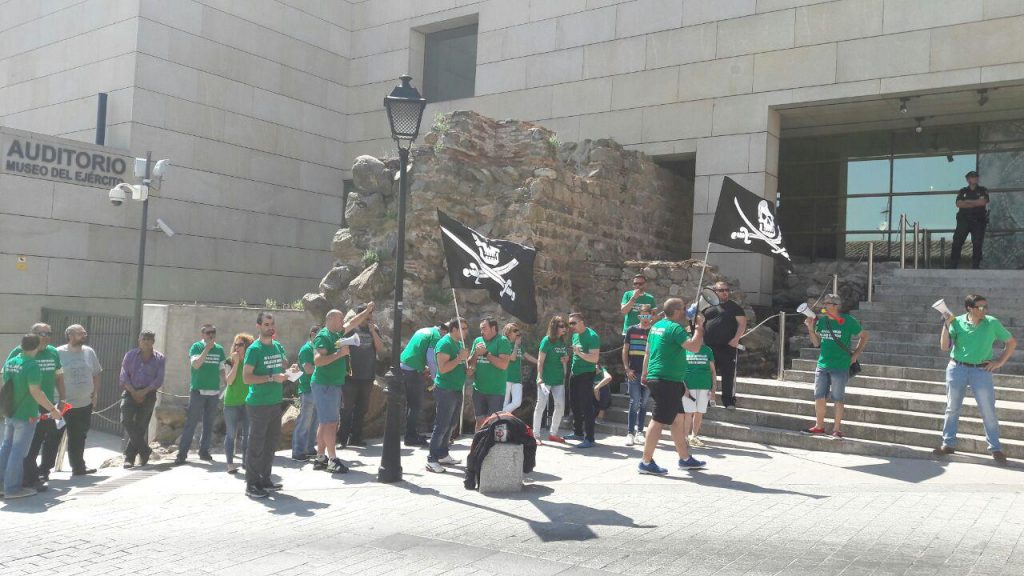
<point>589,27</point>
<point>532,38</point>
<point>584,97</point>
<point>964,77</point>
<point>677,121</point>
<point>554,67</point>
<point>904,15</point>
<point>723,154</point>
<point>503,76</point>
<point>877,57</point>
<point>745,113</point>
<point>1002,8</point>
<point>612,58</point>
<point>714,78</point>
<point>833,21</point>
<point>756,34</point>
<point>497,14</point>
<point>701,11</point>
<point>502,470</point>
<point>625,126</point>
<point>646,16</point>
<point>681,46</point>
<point>977,44</point>
<point>648,88</point>
<point>807,66</point>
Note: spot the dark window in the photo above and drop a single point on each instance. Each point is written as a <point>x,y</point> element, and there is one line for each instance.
<point>449,64</point>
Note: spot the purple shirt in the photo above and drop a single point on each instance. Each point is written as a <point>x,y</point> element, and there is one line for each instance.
<point>139,374</point>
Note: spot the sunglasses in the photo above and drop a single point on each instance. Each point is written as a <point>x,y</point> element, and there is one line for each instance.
<point>639,283</point>
<point>643,316</point>
<point>239,344</point>
<point>515,331</point>
<point>982,307</point>
<point>210,333</point>
<point>561,326</point>
<point>43,334</point>
<point>572,323</point>
<point>719,289</point>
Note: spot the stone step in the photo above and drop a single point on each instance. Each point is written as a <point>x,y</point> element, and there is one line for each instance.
<point>1009,305</point>
<point>934,362</point>
<point>929,337</point>
<point>929,329</point>
<point>712,430</point>
<point>961,275</point>
<point>905,385</point>
<point>912,344</point>
<point>954,295</point>
<point>923,312</point>
<point>911,372</point>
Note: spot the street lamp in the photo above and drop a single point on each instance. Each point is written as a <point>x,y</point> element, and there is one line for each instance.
<point>405,112</point>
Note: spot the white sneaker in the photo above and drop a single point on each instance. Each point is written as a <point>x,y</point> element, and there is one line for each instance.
<point>449,461</point>
<point>435,467</point>
<point>629,439</point>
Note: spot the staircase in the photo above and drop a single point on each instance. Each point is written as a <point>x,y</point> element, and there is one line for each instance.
<point>894,408</point>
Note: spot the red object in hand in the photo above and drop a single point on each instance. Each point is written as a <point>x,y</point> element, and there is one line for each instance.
<point>64,411</point>
<point>835,317</point>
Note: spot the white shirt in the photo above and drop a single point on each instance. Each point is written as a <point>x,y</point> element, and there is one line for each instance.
<point>79,369</point>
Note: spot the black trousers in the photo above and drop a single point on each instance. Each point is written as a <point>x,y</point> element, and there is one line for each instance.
<point>414,383</point>
<point>78,422</point>
<point>46,439</point>
<point>135,421</point>
<point>725,365</point>
<point>264,436</point>
<point>582,388</point>
<point>355,395</point>
<point>975,226</point>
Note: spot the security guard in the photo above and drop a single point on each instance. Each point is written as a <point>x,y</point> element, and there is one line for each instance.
<point>972,217</point>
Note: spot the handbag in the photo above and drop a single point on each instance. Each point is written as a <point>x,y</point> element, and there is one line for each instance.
<point>855,367</point>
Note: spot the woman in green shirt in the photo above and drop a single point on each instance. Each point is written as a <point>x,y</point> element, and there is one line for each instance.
<point>514,384</point>
<point>552,359</point>
<point>236,420</point>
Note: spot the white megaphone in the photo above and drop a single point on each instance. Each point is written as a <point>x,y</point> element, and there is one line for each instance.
<point>352,340</point>
<point>806,310</point>
<point>940,305</point>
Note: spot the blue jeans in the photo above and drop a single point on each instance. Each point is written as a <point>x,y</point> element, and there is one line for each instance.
<point>236,425</point>
<point>830,383</point>
<point>446,403</point>
<point>958,378</point>
<point>199,406</point>
<point>304,435</point>
<point>638,397</point>
<point>16,440</point>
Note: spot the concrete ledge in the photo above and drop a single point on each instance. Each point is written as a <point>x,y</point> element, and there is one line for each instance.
<point>502,469</point>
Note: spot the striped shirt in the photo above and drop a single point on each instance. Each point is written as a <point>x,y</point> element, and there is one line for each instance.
<point>635,342</point>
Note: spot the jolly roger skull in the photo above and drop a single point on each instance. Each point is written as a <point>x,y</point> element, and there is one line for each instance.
<point>765,219</point>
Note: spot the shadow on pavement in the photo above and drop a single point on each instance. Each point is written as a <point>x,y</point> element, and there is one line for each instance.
<point>282,504</point>
<point>912,471</point>
<point>726,482</point>
<point>37,504</point>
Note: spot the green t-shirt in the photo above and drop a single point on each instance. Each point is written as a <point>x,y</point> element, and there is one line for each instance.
<point>488,378</point>
<point>306,354</point>
<point>332,374</point>
<point>415,353</point>
<point>832,355</point>
<point>207,376</point>
<point>235,393</point>
<point>455,379</point>
<point>266,360</point>
<point>973,344</point>
<point>515,366</point>
<point>588,341</point>
<point>552,372</point>
<point>48,361</point>
<point>24,372</point>
<point>698,368</point>
<point>665,355</point>
<point>632,317</point>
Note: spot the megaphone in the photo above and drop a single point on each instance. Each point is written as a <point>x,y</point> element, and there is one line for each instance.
<point>705,300</point>
<point>806,310</point>
<point>940,305</point>
<point>352,340</point>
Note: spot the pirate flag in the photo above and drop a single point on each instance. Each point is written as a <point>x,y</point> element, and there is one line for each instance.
<point>746,221</point>
<point>503,268</point>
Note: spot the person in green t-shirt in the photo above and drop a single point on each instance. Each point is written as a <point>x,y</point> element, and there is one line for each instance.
<point>664,373</point>
<point>46,437</point>
<point>969,338</point>
<point>330,363</point>
<point>834,332</point>
<point>552,360</point>
<point>264,373</point>
<point>492,353</point>
<point>207,362</point>
<point>304,434</point>
<point>236,419</point>
<point>586,350</point>
<point>700,378</point>
<point>514,372</point>
<point>632,300</point>
<point>416,360</point>
<point>452,357</point>
<point>19,426</point>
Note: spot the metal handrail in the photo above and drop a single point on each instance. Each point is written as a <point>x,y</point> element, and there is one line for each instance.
<point>782,346</point>
<point>871,270</point>
<point>917,233</point>
<point>903,241</point>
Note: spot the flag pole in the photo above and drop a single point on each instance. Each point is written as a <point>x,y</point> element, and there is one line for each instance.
<point>707,251</point>
<point>462,339</point>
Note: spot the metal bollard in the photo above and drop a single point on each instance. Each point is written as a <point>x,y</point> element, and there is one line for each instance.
<point>871,270</point>
<point>782,346</point>
<point>835,283</point>
<point>917,232</point>
<point>903,241</point>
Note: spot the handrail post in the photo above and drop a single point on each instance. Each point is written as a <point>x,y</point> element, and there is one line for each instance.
<point>903,241</point>
<point>782,346</point>
<point>871,270</point>
<point>917,232</point>
<point>926,238</point>
<point>835,283</point>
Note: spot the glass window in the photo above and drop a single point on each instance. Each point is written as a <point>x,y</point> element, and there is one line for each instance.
<point>867,177</point>
<point>931,173</point>
<point>867,213</point>
<point>449,64</point>
<point>934,212</point>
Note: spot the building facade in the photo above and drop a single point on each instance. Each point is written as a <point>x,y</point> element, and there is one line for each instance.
<point>263,106</point>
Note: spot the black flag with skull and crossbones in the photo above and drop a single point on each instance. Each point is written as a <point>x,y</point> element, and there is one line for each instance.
<point>747,221</point>
<point>503,268</point>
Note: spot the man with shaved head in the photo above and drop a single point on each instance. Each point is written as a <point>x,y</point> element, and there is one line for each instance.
<point>82,371</point>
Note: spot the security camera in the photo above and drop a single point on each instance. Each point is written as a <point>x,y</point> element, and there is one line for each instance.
<point>157,171</point>
<point>120,193</point>
<point>167,230</point>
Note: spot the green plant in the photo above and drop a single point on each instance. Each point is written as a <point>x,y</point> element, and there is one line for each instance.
<point>436,294</point>
<point>370,257</point>
<point>298,305</point>
<point>270,303</point>
<point>243,303</point>
<point>441,125</point>
<point>553,144</point>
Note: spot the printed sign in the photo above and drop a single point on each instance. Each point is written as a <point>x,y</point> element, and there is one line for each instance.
<point>36,156</point>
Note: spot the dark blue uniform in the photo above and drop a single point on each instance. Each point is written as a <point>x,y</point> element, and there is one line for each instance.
<point>973,221</point>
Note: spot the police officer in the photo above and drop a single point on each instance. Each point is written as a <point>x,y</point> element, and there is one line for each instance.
<point>972,217</point>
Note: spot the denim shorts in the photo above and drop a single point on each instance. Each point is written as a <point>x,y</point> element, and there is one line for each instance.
<point>328,403</point>
<point>826,380</point>
<point>486,404</point>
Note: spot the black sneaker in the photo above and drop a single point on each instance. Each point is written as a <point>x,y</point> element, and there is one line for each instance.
<point>320,462</point>
<point>300,457</point>
<point>415,441</point>
<point>144,459</point>
<point>178,461</point>
<point>271,485</point>
<point>205,456</point>
<point>360,443</point>
<point>255,492</point>
<point>336,466</point>
<point>83,472</point>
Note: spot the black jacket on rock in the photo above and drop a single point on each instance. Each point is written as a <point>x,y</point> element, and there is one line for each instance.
<point>500,427</point>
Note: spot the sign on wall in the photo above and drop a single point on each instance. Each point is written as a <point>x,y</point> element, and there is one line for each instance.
<point>38,156</point>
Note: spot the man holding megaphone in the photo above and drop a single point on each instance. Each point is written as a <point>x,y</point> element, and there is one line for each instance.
<point>833,332</point>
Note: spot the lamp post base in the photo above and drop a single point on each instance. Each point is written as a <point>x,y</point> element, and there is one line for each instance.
<point>390,470</point>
